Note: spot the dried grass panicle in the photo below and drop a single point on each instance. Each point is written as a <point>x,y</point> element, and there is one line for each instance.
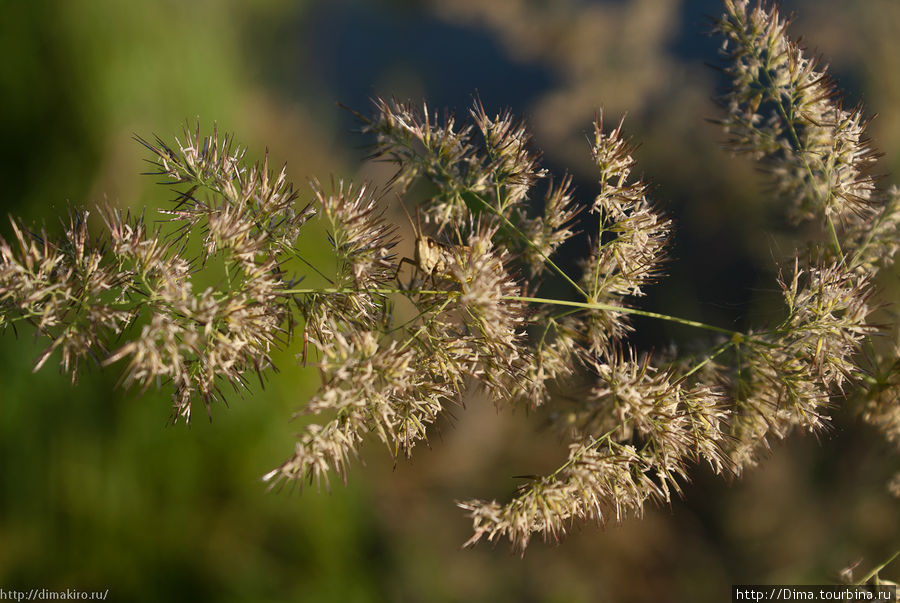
<point>783,109</point>
<point>789,376</point>
<point>131,281</point>
<point>370,386</point>
<point>633,438</point>
<point>601,480</point>
<point>875,243</point>
<point>511,166</point>
<point>66,289</point>
<point>552,229</point>
<point>555,357</point>
<point>630,246</point>
<point>361,238</point>
<point>419,142</point>
<point>630,399</point>
<point>785,112</point>
<point>247,216</point>
<point>485,297</point>
<point>395,349</point>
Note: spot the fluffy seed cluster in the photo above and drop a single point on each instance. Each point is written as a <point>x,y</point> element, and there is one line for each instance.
<point>422,144</point>
<point>369,386</point>
<point>247,220</point>
<point>631,243</point>
<point>782,108</point>
<point>636,432</point>
<point>637,429</point>
<point>67,290</point>
<point>398,340</point>
<point>361,239</point>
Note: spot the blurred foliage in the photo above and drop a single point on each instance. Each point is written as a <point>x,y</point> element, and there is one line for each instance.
<point>98,493</point>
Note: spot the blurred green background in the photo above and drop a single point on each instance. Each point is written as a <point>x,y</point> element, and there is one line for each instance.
<point>96,491</point>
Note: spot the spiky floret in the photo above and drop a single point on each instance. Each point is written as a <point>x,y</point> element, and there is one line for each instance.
<point>370,385</point>
<point>783,109</point>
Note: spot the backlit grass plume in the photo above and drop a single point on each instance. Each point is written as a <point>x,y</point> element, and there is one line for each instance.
<point>398,340</point>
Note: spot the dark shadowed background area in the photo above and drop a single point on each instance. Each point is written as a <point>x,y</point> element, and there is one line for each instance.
<point>97,491</point>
